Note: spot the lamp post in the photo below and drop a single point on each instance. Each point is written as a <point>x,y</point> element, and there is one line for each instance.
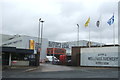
<point>39,32</point>
<point>38,52</point>
<point>41,35</point>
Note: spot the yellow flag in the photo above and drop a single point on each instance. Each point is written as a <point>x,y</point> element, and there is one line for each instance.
<point>87,22</point>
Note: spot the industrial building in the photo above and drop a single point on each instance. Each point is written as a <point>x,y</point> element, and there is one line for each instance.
<point>22,41</point>
<point>68,45</point>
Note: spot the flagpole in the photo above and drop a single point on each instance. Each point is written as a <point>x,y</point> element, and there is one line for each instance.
<point>89,34</point>
<point>110,22</point>
<point>101,36</point>
<point>87,24</point>
<point>78,35</point>
<point>114,33</point>
<point>100,31</point>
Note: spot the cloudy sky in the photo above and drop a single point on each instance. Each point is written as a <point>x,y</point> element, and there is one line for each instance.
<point>61,17</point>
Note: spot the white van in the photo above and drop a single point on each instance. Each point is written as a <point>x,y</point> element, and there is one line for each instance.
<point>50,58</point>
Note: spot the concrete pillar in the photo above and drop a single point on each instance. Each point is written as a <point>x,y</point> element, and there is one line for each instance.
<point>10,59</point>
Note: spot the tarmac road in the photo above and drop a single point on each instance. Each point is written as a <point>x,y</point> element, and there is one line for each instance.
<point>57,71</point>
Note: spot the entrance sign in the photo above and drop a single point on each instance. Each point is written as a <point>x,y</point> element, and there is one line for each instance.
<point>100,56</point>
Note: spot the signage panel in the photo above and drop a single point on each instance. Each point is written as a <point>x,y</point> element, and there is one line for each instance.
<point>105,56</point>
<point>32,43</point>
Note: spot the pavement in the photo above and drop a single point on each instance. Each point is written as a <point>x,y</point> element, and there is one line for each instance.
<point>42,68</point>
<point>50,67</point>
<point>59,71</point>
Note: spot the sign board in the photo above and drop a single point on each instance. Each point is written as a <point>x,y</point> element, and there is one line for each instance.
<point>31,44</point>
<point>101,56</point>
<point>54,44</point>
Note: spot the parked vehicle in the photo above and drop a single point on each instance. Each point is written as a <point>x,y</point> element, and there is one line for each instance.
<point>56,51</point>
<point>62,59</point>
<point>52,59</point>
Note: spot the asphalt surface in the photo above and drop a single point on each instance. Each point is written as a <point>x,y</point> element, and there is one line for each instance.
<point>58,71</point>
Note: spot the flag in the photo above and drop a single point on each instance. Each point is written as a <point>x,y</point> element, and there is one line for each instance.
<point>111,20</point>
<point>87,22</point>
<point>98,23</point>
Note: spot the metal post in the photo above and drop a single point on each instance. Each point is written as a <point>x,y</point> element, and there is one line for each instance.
<point>41,36</point>
<point>100,29</point>
<point>39,32</point>
<point>114,32</point>
<point>38,53</point>
<point>78,35</point>
<point>89,36</point>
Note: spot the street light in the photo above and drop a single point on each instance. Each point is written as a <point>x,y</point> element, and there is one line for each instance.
<point>41,36</point>
<point>39,32</point>
<point>38,52</point>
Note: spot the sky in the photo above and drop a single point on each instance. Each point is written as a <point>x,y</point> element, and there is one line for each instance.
<point>61,18</point>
